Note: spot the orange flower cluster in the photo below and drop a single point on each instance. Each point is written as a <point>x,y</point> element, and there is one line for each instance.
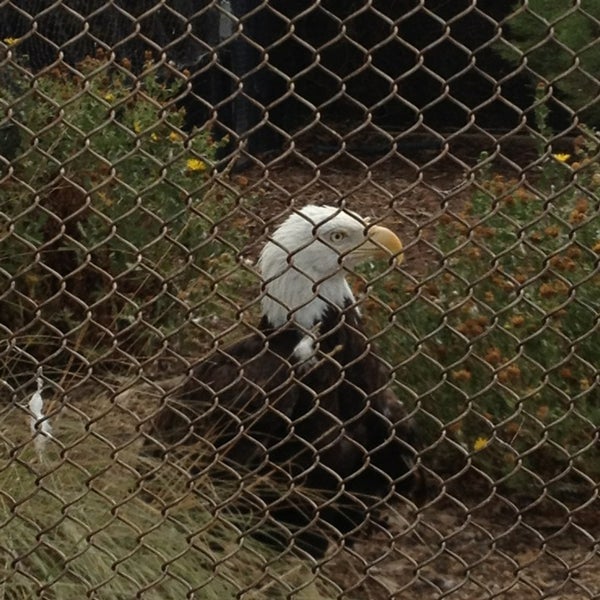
<point>498,185</point>
<point>536,236</point>
<point>502,282</point>
<point>563,263</point>
<point>573,251</point>
<point>473,327</point>
<point>517,320</point>
<point>509,374</point>
<point>493,356</point>
<point>510,191</point>
<point>523,194</point>
<point>566,373</point>
<point>543,412</point>
<point>578,214</point>
<point>474,252</point>
<point>484,231</point>
<point>555,288</point>
<point>461,375</point>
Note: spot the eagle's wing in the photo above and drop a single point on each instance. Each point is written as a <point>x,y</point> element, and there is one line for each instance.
<point>237,404</point>
<point>398,455</point>
<point>360,430</point>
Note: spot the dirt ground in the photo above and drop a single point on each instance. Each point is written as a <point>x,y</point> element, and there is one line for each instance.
<point>451,548</point>
<point>494,551</point>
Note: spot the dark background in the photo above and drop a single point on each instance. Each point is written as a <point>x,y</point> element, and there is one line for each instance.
<point>404,62</point>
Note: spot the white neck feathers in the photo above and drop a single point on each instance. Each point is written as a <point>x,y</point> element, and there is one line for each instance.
<point>294,297</point>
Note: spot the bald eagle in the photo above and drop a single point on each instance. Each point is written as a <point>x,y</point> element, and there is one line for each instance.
<point>304,399</point>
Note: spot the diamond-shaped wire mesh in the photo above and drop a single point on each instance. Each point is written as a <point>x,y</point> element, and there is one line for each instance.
<point>299,299</point>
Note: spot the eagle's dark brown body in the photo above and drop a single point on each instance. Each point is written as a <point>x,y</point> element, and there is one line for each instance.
<point>329,424</point>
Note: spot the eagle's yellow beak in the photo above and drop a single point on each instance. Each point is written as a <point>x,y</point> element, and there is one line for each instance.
<point>380,242</point>
<point>386,241</point>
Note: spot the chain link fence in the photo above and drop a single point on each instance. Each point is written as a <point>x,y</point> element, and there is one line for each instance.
<point>191,405</point>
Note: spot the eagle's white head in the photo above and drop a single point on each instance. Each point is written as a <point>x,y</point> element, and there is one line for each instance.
<point>304,263</point>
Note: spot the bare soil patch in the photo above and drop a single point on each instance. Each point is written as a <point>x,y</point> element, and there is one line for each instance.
<point>449,551</point>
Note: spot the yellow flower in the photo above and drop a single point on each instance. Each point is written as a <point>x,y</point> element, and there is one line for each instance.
<point>194,164</point>
<point>175,137</point>
<point>154,137</point>
<point>561,157</point>
<point>479,444</point>
<point>105,199</point>
<point>137,126</point>
<point>10,41</point>
<point>109,97</point>
<point>32,279</point>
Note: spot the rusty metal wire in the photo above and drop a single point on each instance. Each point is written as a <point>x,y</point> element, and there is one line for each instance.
<point>149,150</point>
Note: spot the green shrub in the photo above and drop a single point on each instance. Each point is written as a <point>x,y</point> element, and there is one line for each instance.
<point>500,343</point>
<point>108,217</point>
<point>560,43</point>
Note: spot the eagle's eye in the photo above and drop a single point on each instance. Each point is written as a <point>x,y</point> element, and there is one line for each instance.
<point>337,236</point>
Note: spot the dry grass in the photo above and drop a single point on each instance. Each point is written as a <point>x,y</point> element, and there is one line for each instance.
<point>74,521</point>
